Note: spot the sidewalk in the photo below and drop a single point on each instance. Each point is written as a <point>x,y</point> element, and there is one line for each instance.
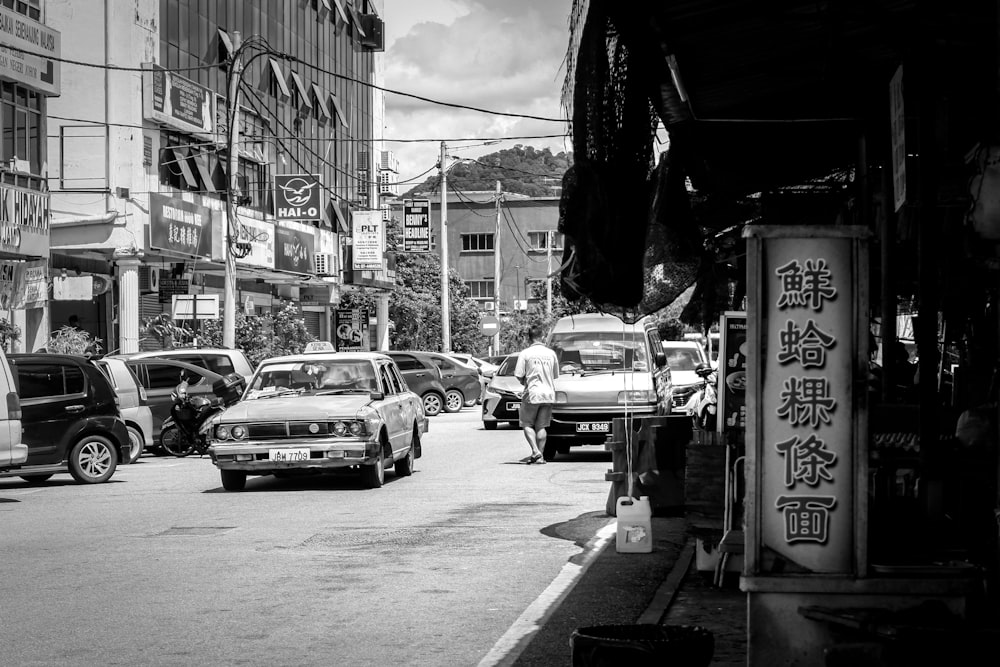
<point>658,587</point>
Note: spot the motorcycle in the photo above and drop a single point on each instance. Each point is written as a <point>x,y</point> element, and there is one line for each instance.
<point>704,403</point>
<point>181,433</point>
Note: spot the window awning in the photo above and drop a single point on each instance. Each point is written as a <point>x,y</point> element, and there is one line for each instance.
<point>320,98</point>
<point>225,44</point>
<point>300,91</point>
<point>323,8</point>
<point>274,70</point>
<point>339,110</point>
<point>339,4</point>
<point>338,216</point>
<point>357,20</point>
<point>201,162</point>
<point>178,155</point>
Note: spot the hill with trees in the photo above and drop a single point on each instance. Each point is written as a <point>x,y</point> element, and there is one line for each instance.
<point>522,170</point>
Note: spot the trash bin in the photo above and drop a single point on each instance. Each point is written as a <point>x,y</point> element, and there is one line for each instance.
<point>642,645</point>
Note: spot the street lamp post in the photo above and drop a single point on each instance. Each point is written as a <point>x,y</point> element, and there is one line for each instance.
<point>233,130</point>
<point>445,312</point>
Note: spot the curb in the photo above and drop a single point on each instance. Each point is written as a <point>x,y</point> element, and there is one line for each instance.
<point>667,591</point>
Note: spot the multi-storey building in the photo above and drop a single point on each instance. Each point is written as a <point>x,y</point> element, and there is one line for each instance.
<point>140,161</point>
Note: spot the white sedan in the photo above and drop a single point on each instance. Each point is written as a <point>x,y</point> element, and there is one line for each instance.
<point>319,412</point>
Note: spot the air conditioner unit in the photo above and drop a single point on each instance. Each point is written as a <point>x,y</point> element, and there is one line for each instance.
<point>326,264</point>
<point>488,305</point>
<point>374,28</point>
<point>149,279</point>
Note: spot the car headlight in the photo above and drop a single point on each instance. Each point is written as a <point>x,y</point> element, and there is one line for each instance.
<point>356,428</point>
<point>637,396</point>
<point>239,432</point>
<point>561,397</point>
<point>222,432</point>
<point>340,428</point>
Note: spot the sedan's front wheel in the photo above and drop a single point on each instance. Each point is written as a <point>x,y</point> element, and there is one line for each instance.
<point>233,480</point>
<point>93,460</point>
<point>373,475</point>
<point>453,400</point>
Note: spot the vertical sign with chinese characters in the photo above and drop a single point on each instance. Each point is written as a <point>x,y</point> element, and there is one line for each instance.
<point>417,225</point>
<point>805,417</point>
<point>732,375</point>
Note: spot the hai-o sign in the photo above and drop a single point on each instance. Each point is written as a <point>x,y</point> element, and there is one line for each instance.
<point>296,197</point>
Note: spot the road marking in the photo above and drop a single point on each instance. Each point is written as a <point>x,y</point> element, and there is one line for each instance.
<point>513,642</point>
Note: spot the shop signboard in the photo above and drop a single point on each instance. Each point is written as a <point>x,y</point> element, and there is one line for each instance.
<point>732,375</point>
<point>297,197</point>
<point>806,424</point>
<point>260,236</point>
<point>195,307</point>
<point>351,327</point>
<point>180,227</point>
<point>294,248</point>
<point>368,244</point>
<point>23,284</point>
<point>178,102</point>
<point>24,221</point>
<point>29,52</point>
<point>416,225</point>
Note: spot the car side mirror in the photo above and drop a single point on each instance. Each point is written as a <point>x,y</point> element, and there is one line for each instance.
<point>661,359</point>
<point>376,395</point>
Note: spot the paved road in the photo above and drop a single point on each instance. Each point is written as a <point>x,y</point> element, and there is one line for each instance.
<point>162,567</point>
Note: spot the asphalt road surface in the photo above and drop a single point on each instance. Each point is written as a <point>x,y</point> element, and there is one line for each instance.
<point>161,566</point>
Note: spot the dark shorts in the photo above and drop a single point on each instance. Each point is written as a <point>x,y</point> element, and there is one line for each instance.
<point>535,415</point>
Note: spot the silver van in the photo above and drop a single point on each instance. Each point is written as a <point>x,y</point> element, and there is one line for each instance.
<point>13,452</point>
<point>607,369</point>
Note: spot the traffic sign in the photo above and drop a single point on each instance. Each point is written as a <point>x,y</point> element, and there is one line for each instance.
<point>489,325</point>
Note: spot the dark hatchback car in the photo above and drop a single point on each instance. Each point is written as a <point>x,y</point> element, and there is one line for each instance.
<point>160,377</point>
<point>463,385</point>
<point>70,418</point>
<point>423,378</point>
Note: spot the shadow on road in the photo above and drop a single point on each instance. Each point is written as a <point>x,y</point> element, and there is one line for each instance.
<point>299,482</point>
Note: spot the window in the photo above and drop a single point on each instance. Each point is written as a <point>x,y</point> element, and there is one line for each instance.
<point>400,382</point>
<point>537,240</point>
<point>48,380</point>
<point>165,376</point>
<point>387,385</point>
<point>480,289</point>
<point>407,363</point>
<point>477,242</point>
<point>21,120</point>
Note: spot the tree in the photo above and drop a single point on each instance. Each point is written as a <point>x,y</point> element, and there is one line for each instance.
<point>522,169</point>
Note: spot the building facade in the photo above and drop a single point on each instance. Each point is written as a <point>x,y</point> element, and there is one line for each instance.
<point>140,161</point>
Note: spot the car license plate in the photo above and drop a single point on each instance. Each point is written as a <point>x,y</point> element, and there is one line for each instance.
<point>288,455</point>
<point>593,427</point>
<point>513,406</point>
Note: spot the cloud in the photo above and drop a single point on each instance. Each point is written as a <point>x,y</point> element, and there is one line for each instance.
<point>502,56</point>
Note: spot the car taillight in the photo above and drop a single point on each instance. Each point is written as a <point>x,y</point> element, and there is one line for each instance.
<point>13,406</point>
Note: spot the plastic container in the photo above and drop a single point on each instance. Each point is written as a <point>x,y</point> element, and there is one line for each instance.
<point>642,645</point>
<point>635,527</point>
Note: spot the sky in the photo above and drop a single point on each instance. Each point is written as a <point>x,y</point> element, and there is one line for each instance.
<point>500,55</point>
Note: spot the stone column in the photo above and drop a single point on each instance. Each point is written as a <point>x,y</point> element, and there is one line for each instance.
<point>382,319</point>
<point>128,304</point>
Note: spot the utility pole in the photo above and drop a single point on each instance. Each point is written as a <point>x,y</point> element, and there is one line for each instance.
<point>548,272</point>
<point>496,272</point>
<point>232,224</point>
<point>445,312</point>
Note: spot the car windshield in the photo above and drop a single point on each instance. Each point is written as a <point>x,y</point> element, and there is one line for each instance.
<point>507,367</point>
<point>313,378</point>
<point>682,358</point>
<point>592,351</point>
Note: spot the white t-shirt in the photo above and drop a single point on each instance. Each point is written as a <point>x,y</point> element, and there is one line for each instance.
<point>538,366</point>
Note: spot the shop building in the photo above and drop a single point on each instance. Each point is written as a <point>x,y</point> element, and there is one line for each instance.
<point>140,168</point>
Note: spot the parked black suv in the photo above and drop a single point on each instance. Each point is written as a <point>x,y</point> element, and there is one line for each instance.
<point>69,417</point>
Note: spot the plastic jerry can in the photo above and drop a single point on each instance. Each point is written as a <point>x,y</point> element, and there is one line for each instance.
<point>635,528</point>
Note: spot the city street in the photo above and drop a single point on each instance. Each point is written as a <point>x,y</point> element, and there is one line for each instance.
<point>160,566</point>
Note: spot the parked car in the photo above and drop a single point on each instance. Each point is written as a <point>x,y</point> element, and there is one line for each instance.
<point>606,368</point>
<point>683,356</point>
<point>132,403</point>
<point>313,413</point>
<point>487,368</point>
<point>462,384</point>
<point>423,377</point>
<point>218,360</point>
<point>13,452</point>
<point>70,419</point>
<point>503,396</point>
<point>159,377</point>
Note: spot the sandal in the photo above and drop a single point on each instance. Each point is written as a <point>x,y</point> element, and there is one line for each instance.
<point>535,458</point>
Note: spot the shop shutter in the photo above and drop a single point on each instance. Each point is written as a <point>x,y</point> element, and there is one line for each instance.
<point>150,307</point>
<point>312,322</point>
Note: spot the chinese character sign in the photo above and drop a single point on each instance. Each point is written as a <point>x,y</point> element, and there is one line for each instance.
<point>180,226</point>
<point>805,435</point>
<point>733,374</point>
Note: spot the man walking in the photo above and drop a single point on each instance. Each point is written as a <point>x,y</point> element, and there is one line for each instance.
<point>537,367</point>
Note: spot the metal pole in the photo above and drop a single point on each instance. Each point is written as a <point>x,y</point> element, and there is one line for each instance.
<point>233,132</point>
<point>445,312</point>
<point>548,272</point>
<point>496,272</point>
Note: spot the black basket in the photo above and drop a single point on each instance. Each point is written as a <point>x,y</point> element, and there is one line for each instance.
<point>640,645</point>
<point>229,387</point>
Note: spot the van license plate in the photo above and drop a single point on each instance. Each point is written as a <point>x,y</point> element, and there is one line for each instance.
<point>513,407</point>
<point>288,455</point>
<point>593,427</point>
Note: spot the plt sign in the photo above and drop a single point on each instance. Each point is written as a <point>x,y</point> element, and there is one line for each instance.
<point>417,225</point>
<point>296,197</point>
<point>368,240</point>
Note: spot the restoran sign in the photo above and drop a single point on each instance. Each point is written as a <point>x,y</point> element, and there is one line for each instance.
<point>806,426</point>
